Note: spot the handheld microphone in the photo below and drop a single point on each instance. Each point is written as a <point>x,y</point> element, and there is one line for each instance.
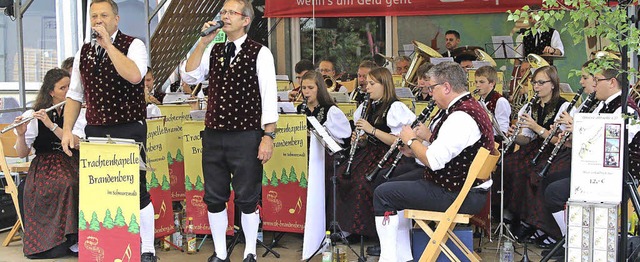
<point>212,28</point>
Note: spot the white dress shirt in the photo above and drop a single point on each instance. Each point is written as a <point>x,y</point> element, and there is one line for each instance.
<point>452,139</point>
<point>337,124</point>
<point>265,70</point>
<point>502,114</point>
<point>137,53</point>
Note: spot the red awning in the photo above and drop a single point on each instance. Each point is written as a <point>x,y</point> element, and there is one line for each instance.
<point>358,8</point>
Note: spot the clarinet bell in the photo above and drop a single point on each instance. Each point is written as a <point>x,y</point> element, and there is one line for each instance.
<point>545,169</point>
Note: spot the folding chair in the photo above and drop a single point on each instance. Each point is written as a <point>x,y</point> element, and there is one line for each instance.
<point>481,168</point>
<point>11,189</point>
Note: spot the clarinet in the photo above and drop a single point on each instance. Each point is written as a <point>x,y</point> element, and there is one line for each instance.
<point>585,108</point>
<point>423,116</point>
<point>354,145</point>
<point>526,107</point>
<point>303,106</point>
<point>555,130</point>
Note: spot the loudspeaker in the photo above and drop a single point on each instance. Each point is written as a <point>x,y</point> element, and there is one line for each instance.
<point>8,214</point>
<point>420,240</point>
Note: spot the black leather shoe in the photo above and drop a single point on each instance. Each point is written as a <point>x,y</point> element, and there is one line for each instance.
<point>250,258</point>
<point>373,250</point>
<point>559,255</point>
<point>148,257</point>
<point>213,258</point>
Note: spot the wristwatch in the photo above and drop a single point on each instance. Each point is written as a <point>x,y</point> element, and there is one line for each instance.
<point>410,142</point>
<point>270,134</point>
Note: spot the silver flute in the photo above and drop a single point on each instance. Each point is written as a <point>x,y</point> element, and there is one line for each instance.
<point>27,119</point>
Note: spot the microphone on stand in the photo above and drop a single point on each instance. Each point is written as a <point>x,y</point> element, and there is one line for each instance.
<point>212,28</point>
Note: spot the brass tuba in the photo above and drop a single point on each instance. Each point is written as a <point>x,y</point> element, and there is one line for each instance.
<point>521,92</point>
<point>330,82</point>
<point>421,54</point>
<point>483,56</point>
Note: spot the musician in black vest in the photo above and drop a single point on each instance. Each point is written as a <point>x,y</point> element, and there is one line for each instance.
<point>486,78</point>
<point>540,43</point>
<point>606,84</point>
<point>240,122</point>
<point>454,142</point>
<point>107,75</point>
<point>524,194</point>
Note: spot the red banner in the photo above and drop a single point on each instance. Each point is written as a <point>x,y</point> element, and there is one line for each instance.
<point>158,178</point>
<point>357,8</point>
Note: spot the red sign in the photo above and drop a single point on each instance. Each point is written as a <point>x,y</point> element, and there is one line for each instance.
<point>356,8</point>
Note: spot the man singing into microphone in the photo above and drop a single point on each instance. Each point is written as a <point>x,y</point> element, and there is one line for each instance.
<point>107,75</point>
<point>240,122</point>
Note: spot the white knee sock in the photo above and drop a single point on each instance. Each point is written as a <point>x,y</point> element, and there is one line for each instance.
<point>250,224</point>
<point>219,222</point>
<point>403,243</point>
<point>147,230</point>
<point>559,217</point>
<point>387,233</point>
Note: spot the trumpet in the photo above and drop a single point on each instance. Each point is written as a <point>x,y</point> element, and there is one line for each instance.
<point>555,130</point>
<point>27,119</point>
<point>526,107</point>
<point>426,112</point>
<point>584,108</point>
<point>354,144</point>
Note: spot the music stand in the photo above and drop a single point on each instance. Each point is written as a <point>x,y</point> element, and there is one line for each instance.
<point>332,148</point>
<point>503,47</point>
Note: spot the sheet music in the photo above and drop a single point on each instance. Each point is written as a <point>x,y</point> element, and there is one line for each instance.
<point>438,60</point>
<point>286,107</point>
<point>198,114</point>
<point>340,97</point>
<point>478,64</point>
<point>283,95</point>
<point>175,97</point>
<point>323,135</point>
<point>404,92</point>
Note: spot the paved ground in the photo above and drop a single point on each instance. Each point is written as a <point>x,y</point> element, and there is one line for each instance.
<point>290,249</point>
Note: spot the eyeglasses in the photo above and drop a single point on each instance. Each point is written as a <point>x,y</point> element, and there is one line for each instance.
<point>431,87</point>
<point>325,70</point>
<point>540,82</point>
<point>230,12</point>
<point>602,79</point>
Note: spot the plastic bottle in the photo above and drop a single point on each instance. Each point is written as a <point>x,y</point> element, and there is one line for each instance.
<point>177,235</point>
<point>260,235</point>
<point>506,254</point>
<point>191,238</point>
<point>326,248</point>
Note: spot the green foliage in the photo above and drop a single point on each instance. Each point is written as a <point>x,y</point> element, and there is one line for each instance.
<point>265,181</point>
<point>94,225</point>
<point>179,156</point>
<point>119,221</point>
<point>165,183</point>
<point>187,183</point>
<point>107,222</point>
<point>347,44</point>
<point>134,228</point>
<point>303,180</point>
<point>292,175</point>
<point>169,158</point>
<point>283,177</point>
<point>605,22</point>
<point>274,179</point>
<point>82,223</point>
<point>199,184</point>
